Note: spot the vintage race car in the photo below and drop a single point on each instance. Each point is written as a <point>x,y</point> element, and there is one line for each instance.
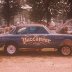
<point>37,37</point>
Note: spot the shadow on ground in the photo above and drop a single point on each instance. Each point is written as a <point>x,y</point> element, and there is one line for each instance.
<point>36,54</point>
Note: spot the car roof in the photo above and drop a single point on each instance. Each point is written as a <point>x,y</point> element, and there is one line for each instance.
<point>26,25</point>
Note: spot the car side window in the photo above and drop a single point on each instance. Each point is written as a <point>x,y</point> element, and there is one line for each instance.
<point>22,30</point>
<point>32,30</point>
<point>41,30</point>
<point>27,30</point>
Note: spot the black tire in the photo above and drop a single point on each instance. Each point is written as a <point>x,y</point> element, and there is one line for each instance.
<point>10,49</point>
<point>65,50</point>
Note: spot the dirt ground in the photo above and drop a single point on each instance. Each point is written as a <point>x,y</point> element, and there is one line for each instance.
<point>35,62</point>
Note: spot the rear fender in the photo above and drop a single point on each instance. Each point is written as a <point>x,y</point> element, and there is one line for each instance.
<point>67,42</point>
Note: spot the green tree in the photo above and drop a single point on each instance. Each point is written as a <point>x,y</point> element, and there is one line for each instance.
<point>69,14</point>
<point>10,9</point>
<point>59,9</point>
<point>47,9</point>
<point>39,10</point>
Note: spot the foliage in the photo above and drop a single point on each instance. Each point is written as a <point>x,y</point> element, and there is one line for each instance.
<point>47,9</point>
<point>69,15</point>
<point>39,10</point>
<point>42,10</point>
<point>10,9</point>
<point>59,9</point>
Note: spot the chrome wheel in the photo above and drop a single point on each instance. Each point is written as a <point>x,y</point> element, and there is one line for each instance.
<point>65,50</point>
<point>11,49</point>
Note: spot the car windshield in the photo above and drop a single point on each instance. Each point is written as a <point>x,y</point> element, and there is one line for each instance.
<point>12,30</point>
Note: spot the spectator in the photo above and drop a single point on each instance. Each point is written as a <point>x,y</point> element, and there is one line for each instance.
<point>64,30</point>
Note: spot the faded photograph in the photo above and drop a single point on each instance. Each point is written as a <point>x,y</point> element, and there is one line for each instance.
<point>35,35</point>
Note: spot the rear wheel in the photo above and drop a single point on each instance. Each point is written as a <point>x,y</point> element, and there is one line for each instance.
<point>10,49</point>
<point>65,50</point>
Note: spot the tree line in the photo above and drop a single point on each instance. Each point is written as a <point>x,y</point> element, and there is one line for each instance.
<point>47,9</point>
<point>41,9</point>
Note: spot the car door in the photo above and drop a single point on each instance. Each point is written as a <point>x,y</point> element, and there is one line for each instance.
<point>25,36</point>
<point>47,39</point>
<point>41,35</point>
<point>35,36</point>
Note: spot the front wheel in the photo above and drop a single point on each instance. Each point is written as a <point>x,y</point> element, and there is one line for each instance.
<point>65,50</point>
<point>10,49</point>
